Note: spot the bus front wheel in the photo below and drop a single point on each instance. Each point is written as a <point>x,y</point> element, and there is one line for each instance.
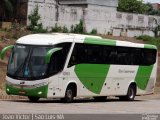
<point>130,94</point>
<point>69,95</point>
<point>33,99</point>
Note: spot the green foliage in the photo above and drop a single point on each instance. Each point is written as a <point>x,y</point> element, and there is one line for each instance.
<point>93,32</point>
<point>34,17</point>
<point>152,11</point>
<point>156,30</point>
<point>39,29</point>
<point>78,28</point>
<point>72,29</point>
<point>34,26</point>
<point>109,33</point>
<point>65,30</point>
<point>150,40</point>
<point>56,28</point>
<point>145,38</point>
<point>132,6</point>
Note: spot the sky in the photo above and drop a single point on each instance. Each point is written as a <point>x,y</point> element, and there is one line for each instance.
<point>152,1</point>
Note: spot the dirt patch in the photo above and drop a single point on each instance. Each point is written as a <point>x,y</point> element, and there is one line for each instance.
<point>4,96</point>
<point>149,97</point>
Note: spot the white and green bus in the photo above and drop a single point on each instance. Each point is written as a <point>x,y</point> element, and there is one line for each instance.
<point>66,66</point>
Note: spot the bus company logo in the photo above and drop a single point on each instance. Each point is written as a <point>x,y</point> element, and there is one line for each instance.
<point>66,73</point>
<point>150,117</point>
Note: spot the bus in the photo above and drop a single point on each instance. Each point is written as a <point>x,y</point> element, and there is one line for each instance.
<point>68,66</point>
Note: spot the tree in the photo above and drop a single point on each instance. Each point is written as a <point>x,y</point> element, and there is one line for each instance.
<point>34,17</point>
<point>157,28</point>
<point>132,6</point>
<point>6,9</point>
<point>152,11</point>
<point>35,25</point>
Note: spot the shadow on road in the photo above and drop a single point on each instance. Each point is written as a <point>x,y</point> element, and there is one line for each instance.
<point>75,101</point>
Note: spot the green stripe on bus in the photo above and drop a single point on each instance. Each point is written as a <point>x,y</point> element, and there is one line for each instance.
<point>99,41</point>
<point>143,76</point>
<point>92,76</point>
<point>150,46</point>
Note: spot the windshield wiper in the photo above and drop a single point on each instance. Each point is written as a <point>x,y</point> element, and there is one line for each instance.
<point>21,67</point>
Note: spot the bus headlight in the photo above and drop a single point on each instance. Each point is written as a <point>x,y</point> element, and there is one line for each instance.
<point>7,89</point>
<point>39,93</point>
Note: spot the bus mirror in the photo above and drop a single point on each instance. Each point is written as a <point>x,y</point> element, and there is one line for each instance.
<point>50,53</point>
<point>4,50</point>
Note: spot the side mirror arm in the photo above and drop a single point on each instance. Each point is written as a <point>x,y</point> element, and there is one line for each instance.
<point>50,53</point>
<point>4,50</point>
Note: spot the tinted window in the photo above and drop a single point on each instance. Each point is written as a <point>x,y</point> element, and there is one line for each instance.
<point>58,59</point>
<point>100,54</point>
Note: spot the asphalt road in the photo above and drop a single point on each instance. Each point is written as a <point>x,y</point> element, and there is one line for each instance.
<point>141,105</point>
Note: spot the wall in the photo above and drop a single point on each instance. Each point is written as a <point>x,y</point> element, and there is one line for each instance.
<point>109,3</point>
<point>105,19</point>
<point>135,24</point>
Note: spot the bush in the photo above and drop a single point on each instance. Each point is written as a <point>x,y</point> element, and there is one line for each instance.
<point>34,26</point>
<point>150,40</point>
<point>39,29</point>
<point>78,28</point>
<point>93,32</point>
<point>65,30</point>
<point>34,17</point>
<point>145,38</point>
<point>56,28</point>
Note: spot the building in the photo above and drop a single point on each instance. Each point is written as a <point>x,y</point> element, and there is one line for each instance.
<point>96,14</point>
<point>156,6</point>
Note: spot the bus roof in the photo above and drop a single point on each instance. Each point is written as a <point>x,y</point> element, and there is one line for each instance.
<point>52,38</point>
<point>55,38</point>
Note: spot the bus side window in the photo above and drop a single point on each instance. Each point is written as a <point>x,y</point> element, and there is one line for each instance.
<point>144,56</point>
<point>78,55</point>
<point>137,56</point>
<point>149,56</point>
<point>124,56</point>
<point>106,53</point>
<point>95,54</point>
<point>112,57</point>
<point>58,59</point>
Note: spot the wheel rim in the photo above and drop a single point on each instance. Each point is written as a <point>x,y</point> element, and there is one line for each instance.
<point>69,94</point>
<point>131,93</point>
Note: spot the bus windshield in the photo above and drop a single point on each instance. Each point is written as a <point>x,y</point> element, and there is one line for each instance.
<point>28,62</point>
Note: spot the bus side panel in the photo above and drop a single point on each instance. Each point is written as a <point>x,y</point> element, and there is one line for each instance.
<point>54,90</point>
<point>119,79</point>
<point>149,89</point>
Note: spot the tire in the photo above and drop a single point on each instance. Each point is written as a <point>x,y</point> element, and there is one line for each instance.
<point>130,94</point>
<point>69,95</point>
<point>33,99</point>
<point>100,99</point>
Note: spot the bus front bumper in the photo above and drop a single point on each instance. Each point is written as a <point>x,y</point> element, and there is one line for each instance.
<point>40,91</point>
